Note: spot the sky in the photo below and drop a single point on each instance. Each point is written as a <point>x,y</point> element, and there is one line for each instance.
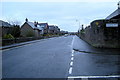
<point>67,15</point>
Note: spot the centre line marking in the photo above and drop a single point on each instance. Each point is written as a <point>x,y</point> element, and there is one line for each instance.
<point>70,70</point>
<point>72,51</point>
<point>72,55</point>
<point>71,63</point>
<point>72,58</point>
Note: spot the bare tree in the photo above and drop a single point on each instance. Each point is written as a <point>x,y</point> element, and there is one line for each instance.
<point>15,22</point>
<point>15,31</point>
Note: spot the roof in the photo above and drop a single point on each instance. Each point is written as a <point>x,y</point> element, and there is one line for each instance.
<point>31,24</point>
<point>34,27</point>
<point>114,14</point>
<point>40,27</point>
<point>43,24</point>
<point>5,24</point>
<point>51,27</point>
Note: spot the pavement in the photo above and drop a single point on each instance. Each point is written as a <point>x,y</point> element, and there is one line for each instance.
<point>60,57</point>
<point>20,44</point>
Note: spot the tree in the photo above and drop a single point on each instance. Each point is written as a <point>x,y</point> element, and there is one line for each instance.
<point>14,22</point>
<point>15,31</point>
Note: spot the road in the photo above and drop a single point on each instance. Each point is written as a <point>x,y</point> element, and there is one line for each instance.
<point>56,58</point>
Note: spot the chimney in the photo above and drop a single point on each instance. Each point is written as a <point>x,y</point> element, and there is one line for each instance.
<point>118,5</point>
<point>35,23</point>
<point>26,20</point>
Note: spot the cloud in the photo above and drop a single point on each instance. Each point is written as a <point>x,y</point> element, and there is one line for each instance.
<point>59,13</point>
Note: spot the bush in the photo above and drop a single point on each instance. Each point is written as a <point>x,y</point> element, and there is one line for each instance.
<point>8,36</point>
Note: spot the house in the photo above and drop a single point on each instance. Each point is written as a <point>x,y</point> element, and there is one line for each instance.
<point>57,30</point>
<point>63,32</point>
<point>31,29</point>
<point>5,28</point>
<point>53,29</point>
<point>44,27</point>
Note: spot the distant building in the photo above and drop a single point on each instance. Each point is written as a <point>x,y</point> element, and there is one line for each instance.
<point>44,27</point>
<point>5,28</point>
<point>53,29</point>
<point>63,32</point>
<point>35,29</point>
<point>32,29</point>
<point>57,30</point>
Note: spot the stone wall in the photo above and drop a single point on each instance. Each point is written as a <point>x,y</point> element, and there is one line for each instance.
<point>101,36</point>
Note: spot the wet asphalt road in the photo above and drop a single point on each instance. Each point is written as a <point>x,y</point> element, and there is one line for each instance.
<point>54,58</point>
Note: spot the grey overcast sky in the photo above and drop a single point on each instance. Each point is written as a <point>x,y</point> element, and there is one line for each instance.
<point>67,15</point>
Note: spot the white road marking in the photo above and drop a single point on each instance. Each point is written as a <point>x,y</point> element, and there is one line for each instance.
<point>72,51</point>
<point>72,55</point>
<point>72,43</point>
<point>72,58</point>
<point>110,76</point>
<point>71,64</point>
<point>70,70</point>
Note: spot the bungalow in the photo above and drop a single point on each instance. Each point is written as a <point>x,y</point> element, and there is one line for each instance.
<point>32,29</point>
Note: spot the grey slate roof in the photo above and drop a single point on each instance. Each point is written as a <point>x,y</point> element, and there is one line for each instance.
<point>43,25</point>
<point>51,27</point>
<point>40,27</point>
<point>34,27</point>
<point>115,13</point>
<point>31,24</point>
<point>4,24</point>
